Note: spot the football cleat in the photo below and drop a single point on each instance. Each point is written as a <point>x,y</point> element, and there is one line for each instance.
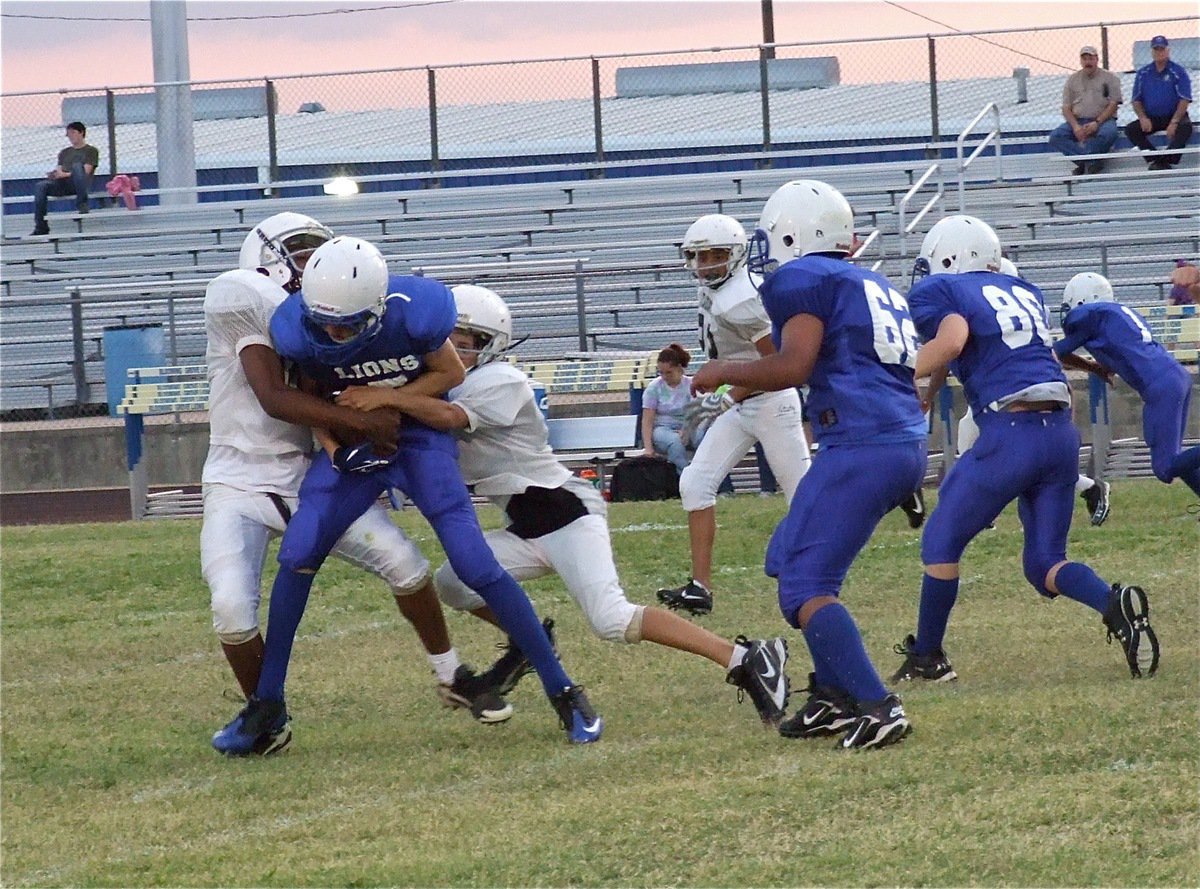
<point>502,677</point>
<point>934,667</point>
<point>261,728</point>
<point>879,724</point>
<point>914,508</point>
<point>471,692</point>
<point>693,597</point>
<point>760,675</point>
<point>578,719</point>
<point>1096,498</point>
<point>827,711</point>
<point>1128,619</point>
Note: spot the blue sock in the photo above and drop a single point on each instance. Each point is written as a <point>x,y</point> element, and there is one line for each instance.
<point>834,638</point>
<point>1186,466</point>
<point>289,596</point>
<point>822,673</point>
<point>1077,581</point>
<point>937,600</point>
<point>515,613</point>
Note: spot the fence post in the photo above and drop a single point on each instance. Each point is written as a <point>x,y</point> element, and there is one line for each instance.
<point>596,119</point>
<point>764,86</point>
<point>272,145</point>
<point>435,161</point>
<point>935,135</point>
<point>580,305</point>
<point>171,329</point>
<point>1104,46</point>
<point>78,371</point>
<point>110,106</point>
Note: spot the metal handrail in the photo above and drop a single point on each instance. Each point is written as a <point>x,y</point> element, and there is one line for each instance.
<point>994,134</point>
<point>902,205</point>
<point>872,238</point>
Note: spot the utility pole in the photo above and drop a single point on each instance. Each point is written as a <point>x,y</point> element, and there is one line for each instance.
<point>173,114</point>
<point>768,20</point>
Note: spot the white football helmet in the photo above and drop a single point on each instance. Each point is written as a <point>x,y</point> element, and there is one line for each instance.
<point>345,286</point>
<point>958,244</point>
<point>803,216</point>
<point>714,232</point>
<point>484,314</point>
<point>1087,287</point>
<point>1008,267</point>
<point>275,244</point>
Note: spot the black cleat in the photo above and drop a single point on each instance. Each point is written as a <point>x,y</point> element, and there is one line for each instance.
<point>471,692</point>
<point>914,507</point>
<point>1096,498</point>
<point>693,597</point>
<point>827,711</point>
<point>502,677</point>
<point>933,667</point>
<point>761,675</point>
<point>578,719</point>
<point>879,724</point>
<point>1128,619</point>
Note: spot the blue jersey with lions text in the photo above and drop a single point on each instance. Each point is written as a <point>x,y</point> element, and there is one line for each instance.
<point>419,314</point>
<point>861,388</point>
<point>1008,349</point>
<point>1118,338</point>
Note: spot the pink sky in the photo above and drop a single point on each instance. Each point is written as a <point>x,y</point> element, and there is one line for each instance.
<point>72,53</point>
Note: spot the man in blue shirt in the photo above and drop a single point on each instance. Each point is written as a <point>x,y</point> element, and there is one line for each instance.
<point>353,324</point>
<point>1161,95</point>
<point>1119,341</point>
<point>846,332</point>
<point>992,331</point>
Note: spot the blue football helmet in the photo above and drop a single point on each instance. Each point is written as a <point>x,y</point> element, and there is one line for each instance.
<point>345,286</point>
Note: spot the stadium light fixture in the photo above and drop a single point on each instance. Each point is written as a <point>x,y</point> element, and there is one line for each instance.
<point>341,186</point>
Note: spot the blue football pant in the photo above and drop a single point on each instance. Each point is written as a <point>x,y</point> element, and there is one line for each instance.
<point>1030,457</point>
<point>836,507</point>
<point>331,501</point>
<point>1164,421</point>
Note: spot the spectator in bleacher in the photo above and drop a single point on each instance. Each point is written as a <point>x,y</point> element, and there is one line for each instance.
<point>73,175</point>
<point>1162,92</point>
<point>1089,104</point>
<point>1185,284</point>
<point>663,405</point>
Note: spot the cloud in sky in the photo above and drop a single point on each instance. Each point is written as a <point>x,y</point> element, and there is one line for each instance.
<point>40,54</point>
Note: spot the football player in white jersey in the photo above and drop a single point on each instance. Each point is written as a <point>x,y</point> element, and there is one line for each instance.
<point>1094,493</point>
<point>557,521</point>
<point>260,443</point>
<point>734,327</point>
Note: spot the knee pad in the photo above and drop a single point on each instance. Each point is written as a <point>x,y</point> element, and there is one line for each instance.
<point>611,619</point>
<point>453,592</point>
<point>409,587</point>
<point>235,615</point>
<point>633,632</point>
<point>695,491</point>
<point>1037,565</point>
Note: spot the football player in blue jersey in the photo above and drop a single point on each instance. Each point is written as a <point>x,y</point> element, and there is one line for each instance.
<point>993,333</point>
<point>1120,342</point>
<point>352,324</point>
<point>846,332</point>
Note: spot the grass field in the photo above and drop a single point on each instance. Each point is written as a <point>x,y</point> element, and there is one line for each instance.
<point>1044,765</point>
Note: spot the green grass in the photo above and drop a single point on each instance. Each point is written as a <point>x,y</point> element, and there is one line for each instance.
<point>1044,765</point>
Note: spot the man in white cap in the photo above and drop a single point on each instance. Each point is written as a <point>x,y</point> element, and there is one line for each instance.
<point>1089,105</point>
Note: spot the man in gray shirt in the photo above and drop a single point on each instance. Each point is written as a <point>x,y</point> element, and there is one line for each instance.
<point>1089,106</point>
<point>73,175</point>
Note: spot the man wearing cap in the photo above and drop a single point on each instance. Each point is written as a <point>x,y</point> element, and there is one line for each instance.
<point>1090,99</point>
<point>1161,95</point>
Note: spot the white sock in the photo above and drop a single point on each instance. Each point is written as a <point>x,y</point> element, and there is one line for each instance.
<point>739,655</point>
<point>444,665</point>
<point>1083,483</point>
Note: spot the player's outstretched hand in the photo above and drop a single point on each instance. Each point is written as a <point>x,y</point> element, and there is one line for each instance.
<point>363,398</point>
<point>357,458</point>
<point>379,427</point>
<point>709,377</point>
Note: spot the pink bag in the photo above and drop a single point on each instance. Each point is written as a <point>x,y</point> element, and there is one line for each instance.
<point>124,186</point>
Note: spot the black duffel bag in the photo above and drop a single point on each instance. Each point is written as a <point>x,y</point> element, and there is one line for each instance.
<point>644,478</point>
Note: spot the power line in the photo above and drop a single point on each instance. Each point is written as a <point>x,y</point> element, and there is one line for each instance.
<point>976,36</point>
<point>224,18</point>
